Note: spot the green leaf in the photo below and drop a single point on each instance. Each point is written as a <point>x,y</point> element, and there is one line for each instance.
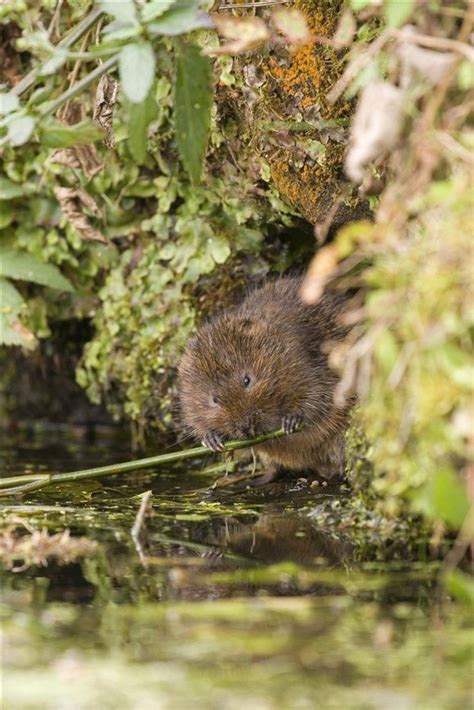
<point>359,4</point>
<point>15,333</point>
<point>8,102</point>
<point>54,63</point>
<point>461,585</point>
<point>9,190</point>
<point>137,70</point>
<point>10,299</point>
<point>6,215</point>
<point>20,265</point>
<point>139,118</point>
<point>443,498</point>
<point>115,33</point>
<point>386,350</point>
<point>181,18</point>
<point>155,8</point>
<point>465,75</point>
<point>43,93</point>
<point>398,11</point>
<point>218,249</point>
<point>12,332</point>
<point>20,130</point>
<point>122,10</point>
<point>457,364</point>
<point>56,135</point>
<point>193,103</point>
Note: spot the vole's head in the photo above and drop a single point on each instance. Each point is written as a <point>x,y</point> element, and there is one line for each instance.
<point>238,377</point>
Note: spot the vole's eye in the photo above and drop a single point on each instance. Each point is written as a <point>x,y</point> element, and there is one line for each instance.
<point>214,400</point>
<point>247,380</point>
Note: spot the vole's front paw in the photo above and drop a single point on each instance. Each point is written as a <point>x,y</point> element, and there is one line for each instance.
<point>291,423</point>
<point>213,441</point>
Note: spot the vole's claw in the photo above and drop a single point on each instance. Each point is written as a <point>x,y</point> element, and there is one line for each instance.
<point>213,441</point>
<point>291,423</point>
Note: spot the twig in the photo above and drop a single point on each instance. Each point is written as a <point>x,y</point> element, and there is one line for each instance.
<point>455,147</point>
<point>52,106</point>
<point>257,4</point>
<point>41,481</point>
<point>137,525</point>
<point>75,69</point>
<point>357,64</point>
<point>453,45</point>
<point>68,41</point>
<point>53,25</point>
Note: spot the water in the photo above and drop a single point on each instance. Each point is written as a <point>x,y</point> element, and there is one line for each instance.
<point>272,598</point>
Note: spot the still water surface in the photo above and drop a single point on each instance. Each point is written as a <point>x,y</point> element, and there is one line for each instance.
<point>251,599</point>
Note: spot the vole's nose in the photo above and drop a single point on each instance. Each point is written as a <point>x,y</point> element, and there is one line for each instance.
<point>246,428</point>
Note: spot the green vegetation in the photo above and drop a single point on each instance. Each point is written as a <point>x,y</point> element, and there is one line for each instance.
<point>137,206</point>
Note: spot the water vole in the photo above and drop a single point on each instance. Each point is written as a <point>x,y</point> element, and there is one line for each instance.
<point>262,365</point>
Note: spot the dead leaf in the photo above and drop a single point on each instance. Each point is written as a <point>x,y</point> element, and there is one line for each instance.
<point>73,202</point>
<point>80,157</point>
<point>376,126</point>
<point>71,112</point>
<point>244,33</point>
<point>431,64</point>
<point>319,271</point>
<point>23,332</point>
<point>37,547</point>
<point>292,24</point>
<point>105,99</point>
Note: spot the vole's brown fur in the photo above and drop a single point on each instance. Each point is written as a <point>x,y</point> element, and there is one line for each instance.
<point>263,365</point>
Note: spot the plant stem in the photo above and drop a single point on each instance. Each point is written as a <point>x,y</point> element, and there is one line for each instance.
<point>68,41</point>
<point>77,88</point>
<point>23,478</point>
<point>8,485</point>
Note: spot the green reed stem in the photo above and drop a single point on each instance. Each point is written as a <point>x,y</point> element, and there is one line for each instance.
<point>9,485</point>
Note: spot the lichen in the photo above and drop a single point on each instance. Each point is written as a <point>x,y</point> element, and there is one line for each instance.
<point>296,90</point>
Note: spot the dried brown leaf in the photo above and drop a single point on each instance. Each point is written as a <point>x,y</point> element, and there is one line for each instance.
<point>71,112</point>
<point>38,546</point>
<point>321,268</point>
<point>431,64</point>
<point>376,126</point>
<point>105,99</point>
<point>73,201</point>
<point>22,331</point>
<point>80,157</point>
<point>243,33</point>
<point>292,24</point>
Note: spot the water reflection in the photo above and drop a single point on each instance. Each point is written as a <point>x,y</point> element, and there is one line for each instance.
<point>279,538</point>
<point>237,600</point>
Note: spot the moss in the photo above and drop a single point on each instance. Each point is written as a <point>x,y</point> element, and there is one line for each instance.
<point>314,187</point>
<point>296,90</point>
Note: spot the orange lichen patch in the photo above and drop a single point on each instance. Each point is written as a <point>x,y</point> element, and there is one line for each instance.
<point>312,189</point>
<point>297,83</point>
<point>311,69</point>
